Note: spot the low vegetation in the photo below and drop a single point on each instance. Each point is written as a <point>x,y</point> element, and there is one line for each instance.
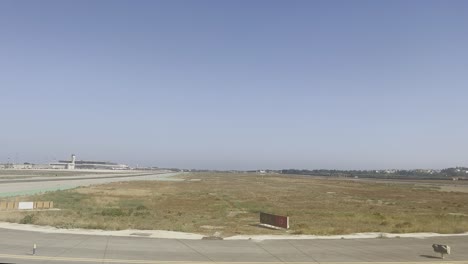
<point>228,204</point>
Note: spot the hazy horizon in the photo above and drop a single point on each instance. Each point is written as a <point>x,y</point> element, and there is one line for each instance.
<point>236,85</point>
<point>135,164</point>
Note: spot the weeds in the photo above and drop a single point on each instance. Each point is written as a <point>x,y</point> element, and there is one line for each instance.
<point>187,206</point>
<point>27,219</point>
<point>114,212</point>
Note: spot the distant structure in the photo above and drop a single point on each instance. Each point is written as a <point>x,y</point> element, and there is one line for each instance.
<point>24,166</point>
<point>73,164</point>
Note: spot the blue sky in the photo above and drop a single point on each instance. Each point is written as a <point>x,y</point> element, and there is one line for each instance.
<point>236,84</point>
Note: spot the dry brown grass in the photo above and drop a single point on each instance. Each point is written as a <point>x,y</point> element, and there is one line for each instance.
<point>229,204</point>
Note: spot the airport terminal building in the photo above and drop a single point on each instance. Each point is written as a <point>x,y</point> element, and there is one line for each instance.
<point>88,165</point>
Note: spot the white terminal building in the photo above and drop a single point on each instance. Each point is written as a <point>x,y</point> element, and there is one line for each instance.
<point>87,164</point>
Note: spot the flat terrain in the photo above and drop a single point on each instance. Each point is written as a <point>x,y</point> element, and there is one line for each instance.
<point>15,247</point>
<point>27,182</point>
<point>27,174</point>
<point>228,204</point>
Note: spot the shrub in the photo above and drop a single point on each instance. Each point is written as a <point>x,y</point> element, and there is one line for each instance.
<point>28,219</point>
<point>112,212</point>
<point>141,208</point>
<point>139,213</point>
<point>403,225</point>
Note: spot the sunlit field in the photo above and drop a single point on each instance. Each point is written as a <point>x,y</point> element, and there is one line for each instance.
<point>226,204</point>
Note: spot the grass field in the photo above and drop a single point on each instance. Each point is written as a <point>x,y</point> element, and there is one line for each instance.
<point>228,204</point>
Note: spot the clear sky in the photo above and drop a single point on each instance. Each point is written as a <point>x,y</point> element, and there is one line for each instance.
<point>236,84</point>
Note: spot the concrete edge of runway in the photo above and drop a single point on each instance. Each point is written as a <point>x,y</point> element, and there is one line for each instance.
<point>164,234</point>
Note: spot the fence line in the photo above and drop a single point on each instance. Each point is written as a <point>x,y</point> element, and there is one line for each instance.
<point>36,205</point>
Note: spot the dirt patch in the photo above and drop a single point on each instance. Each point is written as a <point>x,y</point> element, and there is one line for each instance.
<point>460,188</point>
<point>235,213</point>
<point>212,227</point>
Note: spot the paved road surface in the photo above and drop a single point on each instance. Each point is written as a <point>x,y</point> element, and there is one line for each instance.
<point>16,247</point>
<point>30,186</point>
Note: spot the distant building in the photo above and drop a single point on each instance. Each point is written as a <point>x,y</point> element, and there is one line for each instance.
<point>86,164</point>
<point>24,166</point>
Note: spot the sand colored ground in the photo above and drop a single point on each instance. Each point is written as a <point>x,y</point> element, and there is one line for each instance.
<point>228,204</point>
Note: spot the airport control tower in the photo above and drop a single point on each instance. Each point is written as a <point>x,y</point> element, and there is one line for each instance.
<point>71,165</point>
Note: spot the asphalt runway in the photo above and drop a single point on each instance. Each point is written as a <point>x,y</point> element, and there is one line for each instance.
<point>16,247</point>
<point>13,187</point>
